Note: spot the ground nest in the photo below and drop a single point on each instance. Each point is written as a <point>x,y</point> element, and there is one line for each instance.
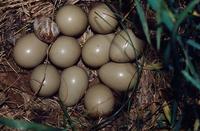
<point>17,101</point>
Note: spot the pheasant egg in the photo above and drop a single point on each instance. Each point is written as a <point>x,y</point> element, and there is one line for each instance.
<point>119,76</point>
<point>74,82</point>
<point>71,20</point>
<point>95,52</point>
<point>126,47</point>
<point>65,52</point>
<point>29,51</point>
<point>45,80</point>
<point>99,100</point>
<point>102,19</point>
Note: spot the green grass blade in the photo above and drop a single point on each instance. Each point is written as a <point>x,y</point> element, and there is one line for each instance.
<point>174,113</point>
<point>193,43</point>
<point>67,118</point>
<point>158,37</point>
<point>181,17</point>
<point>167,19</point>
<point>189,64</point>
<point>120,4</point>
<point>177,125</point>
<point>194,82</point>
<point>25,125</point>
<point>198,27</point>
<point>159,28</point>
<point>155,4</point>
<point>167,16</point>
<point>143,20</point>
<point>167,53</point>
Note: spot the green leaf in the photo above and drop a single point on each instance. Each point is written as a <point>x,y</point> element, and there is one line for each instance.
<point>193,44</point>
<point>25,125</point>
<point>194,82</point>
<point>143,20</point>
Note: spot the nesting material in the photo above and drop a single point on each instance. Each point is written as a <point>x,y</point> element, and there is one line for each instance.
<point>25,103</point>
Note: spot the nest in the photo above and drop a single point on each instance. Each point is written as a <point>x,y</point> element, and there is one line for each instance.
<point>17,101</point>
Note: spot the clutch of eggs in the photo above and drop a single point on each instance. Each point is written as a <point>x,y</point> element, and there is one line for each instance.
<point>111,54</point>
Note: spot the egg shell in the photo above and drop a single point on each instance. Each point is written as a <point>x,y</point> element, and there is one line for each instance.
<point>74,82</point>
<point>29,51</point>
<point>71,20</point>
<point>45,80</point>
<point>99,100</point>
<point>126,47</point>
<point>102,19</point>
<point>65,52</point>
<point>45,29</point>
<point>119,76</point>
<point>95,51</point>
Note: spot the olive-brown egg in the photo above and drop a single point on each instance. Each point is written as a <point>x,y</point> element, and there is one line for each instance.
<point>65,51</point>
<point>102,19</point>
<point>126,47</point>
<point>45,80</point>
<point>71,20</point>
<point>119,76</point>
<point>99,100</point>
<point>29,51</point>
<point>74,82</point>
<point>95,51</point>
